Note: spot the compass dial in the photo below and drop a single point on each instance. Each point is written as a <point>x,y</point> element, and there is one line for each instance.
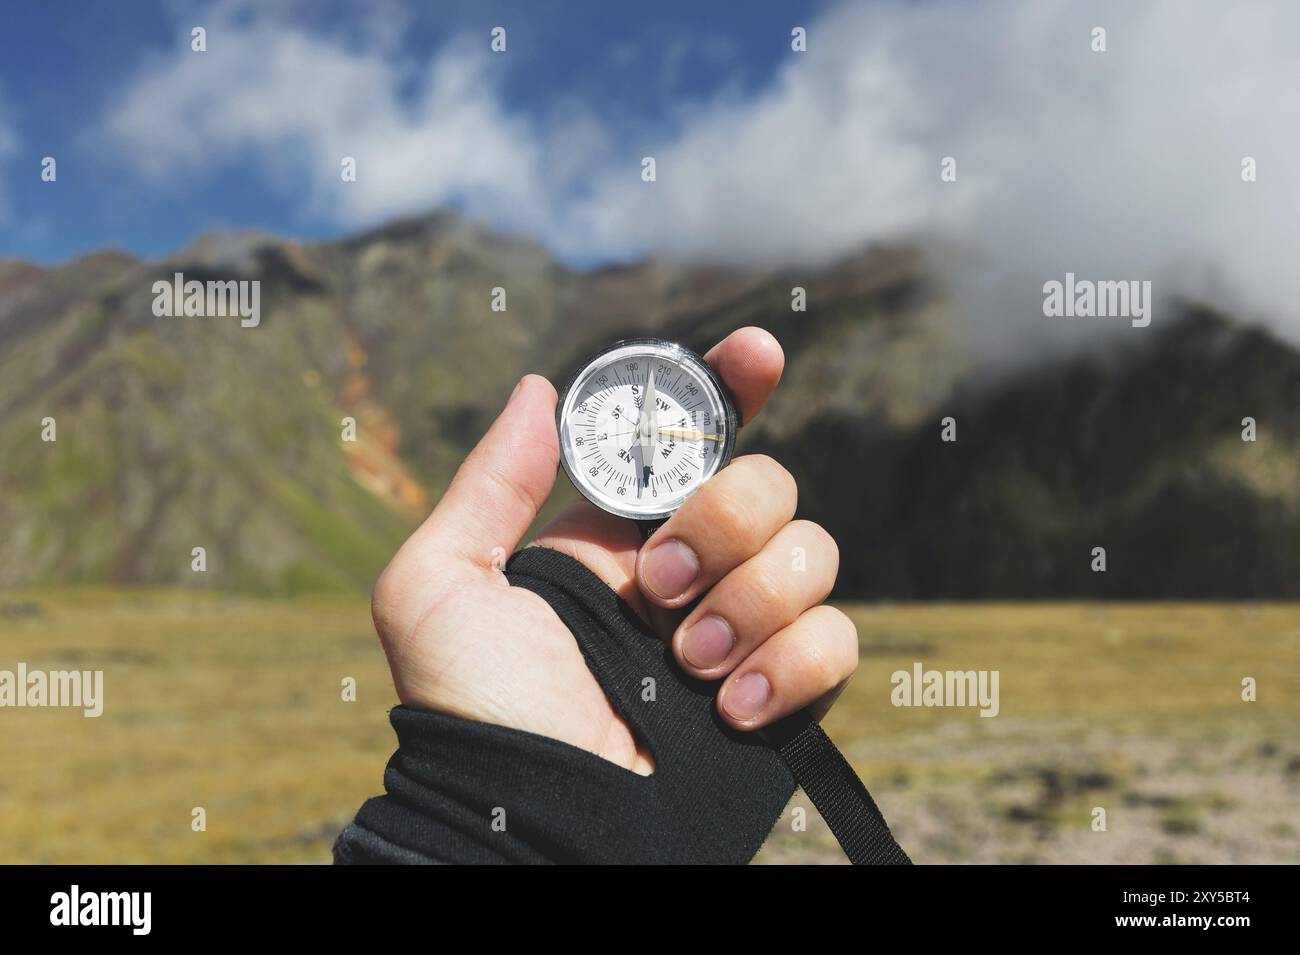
<point>642,425</point>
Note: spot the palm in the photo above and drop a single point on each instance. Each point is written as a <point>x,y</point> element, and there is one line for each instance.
<point>499,654</point>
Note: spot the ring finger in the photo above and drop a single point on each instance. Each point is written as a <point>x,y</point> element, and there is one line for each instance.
<point>803,665</point>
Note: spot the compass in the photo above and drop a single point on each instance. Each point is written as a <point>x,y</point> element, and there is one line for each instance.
<point>642,425</point>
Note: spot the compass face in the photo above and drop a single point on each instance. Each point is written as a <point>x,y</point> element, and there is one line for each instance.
<point>640,458</point>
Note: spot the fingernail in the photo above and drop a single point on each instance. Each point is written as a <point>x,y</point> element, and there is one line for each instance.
<point>708,642</point>
<point>669,569</point>
<point>745,698</point>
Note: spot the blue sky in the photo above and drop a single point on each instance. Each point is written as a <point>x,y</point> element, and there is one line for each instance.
<point>67,66</point>
<point>1119,162</point>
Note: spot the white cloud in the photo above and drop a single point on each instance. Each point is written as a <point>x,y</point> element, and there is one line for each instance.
<point>292,104</point>
<point>1122,164</point>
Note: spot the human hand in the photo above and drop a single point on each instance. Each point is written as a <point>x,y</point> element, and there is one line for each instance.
<point>460,640</point>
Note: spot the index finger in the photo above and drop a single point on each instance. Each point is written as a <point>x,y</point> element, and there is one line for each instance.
<point>750,362</point>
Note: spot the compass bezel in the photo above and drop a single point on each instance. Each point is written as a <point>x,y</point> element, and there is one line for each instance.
<point>666,350</point>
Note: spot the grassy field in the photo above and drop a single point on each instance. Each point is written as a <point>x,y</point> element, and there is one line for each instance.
<point>234,705</point>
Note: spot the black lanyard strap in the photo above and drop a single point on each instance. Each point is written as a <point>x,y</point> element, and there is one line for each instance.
<point>836,791</point>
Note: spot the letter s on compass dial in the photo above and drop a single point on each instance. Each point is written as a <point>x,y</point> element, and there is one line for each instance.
<point>642,425</point>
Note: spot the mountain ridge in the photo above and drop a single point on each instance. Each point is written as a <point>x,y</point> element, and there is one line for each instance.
<point>179,433</point>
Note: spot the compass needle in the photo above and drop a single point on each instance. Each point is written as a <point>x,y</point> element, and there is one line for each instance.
<point>652,422</point>
<point>687,434</point>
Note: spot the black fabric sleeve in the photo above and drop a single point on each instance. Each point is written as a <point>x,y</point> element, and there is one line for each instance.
<point>459,791</point>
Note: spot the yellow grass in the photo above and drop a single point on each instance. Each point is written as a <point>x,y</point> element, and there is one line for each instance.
<point>234,705</point>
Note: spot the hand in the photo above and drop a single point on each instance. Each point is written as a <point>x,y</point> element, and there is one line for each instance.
<point>460,640</point>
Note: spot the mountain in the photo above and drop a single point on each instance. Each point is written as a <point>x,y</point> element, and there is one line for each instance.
<point>1144,458</point>
<point>174,433</point>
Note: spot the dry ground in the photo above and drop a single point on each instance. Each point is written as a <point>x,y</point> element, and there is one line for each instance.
<point>234,705</point>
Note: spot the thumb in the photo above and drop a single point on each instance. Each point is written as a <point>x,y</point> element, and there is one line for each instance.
<point>500,487</point>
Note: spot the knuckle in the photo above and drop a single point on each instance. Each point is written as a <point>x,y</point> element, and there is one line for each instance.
<point>767,594</point>
<point>729,512</point>
<point>506,485</point>
<point>842,635</point>
<point>774,474</point>
<point>384,592</point>
<point>401,596</point>
<point>818,539</point>
<point>818,666</point>
<point>384,600</point>
<point>829,655</point>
